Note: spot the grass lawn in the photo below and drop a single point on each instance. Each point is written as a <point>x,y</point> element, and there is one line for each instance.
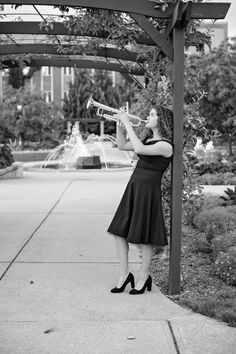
<point>201,290</point>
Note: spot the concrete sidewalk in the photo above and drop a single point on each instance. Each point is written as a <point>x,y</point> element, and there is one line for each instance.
<point>58,264</point>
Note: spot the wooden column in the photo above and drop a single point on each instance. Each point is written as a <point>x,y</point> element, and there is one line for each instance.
<point>177,169</point>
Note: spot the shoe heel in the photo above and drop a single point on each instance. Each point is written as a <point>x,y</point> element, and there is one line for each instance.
<point>149,286</point>
<point>132,283</point>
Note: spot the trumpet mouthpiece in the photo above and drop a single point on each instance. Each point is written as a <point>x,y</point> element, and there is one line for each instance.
<point>90,100</point>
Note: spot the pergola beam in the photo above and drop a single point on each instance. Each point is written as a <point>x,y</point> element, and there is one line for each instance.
<point>159,39</point>
<point>143,7</point>
<point>131,79</point>
<point>34,28</point>
<point>9,49</point>
<point>78,63</point>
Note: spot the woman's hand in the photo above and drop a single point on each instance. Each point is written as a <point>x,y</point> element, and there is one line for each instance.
<point>123,118</point>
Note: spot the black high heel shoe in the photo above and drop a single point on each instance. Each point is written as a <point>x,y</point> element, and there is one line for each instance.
<point>147,284</point>
<point>129,279</point>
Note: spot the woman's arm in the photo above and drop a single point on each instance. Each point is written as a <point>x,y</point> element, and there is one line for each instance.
<point>121,140</point>
<point>159,148</point>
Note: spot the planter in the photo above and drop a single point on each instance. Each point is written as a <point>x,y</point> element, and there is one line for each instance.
<point>28,156</point>
<point>13,171</point>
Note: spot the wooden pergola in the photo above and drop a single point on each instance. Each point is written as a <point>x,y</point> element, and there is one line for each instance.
<point>171,43</point>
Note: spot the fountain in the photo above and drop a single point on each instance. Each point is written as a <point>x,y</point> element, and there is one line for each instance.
<point>205,153</point>
<point>210,152</point>
<point>95,152</point>
<point>199,148</point>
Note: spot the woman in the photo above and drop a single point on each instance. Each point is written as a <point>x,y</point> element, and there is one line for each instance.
<point>139,217</point>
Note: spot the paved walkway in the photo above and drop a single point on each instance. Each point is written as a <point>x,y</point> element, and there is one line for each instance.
<point>58,264</point>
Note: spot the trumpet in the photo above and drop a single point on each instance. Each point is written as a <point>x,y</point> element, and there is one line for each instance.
<point>134,120</point>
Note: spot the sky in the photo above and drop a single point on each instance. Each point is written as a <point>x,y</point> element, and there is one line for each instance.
<point>230,17</point>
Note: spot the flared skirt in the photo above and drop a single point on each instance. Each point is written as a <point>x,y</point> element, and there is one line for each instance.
<point>139,216</point>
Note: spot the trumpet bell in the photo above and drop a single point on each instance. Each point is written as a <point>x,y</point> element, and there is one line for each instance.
<point>90,102</point>
<point>101,109</point>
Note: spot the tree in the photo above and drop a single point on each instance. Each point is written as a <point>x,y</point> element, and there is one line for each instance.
<point>79,92</point>
<point>216,74</point>
<point>16,77</point>
<point>100,86</point>
<point>40,123</point>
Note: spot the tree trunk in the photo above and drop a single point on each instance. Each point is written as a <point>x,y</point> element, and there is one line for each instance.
<point>230,152</point>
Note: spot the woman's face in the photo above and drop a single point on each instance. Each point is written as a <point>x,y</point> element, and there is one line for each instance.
<point>152,119</point>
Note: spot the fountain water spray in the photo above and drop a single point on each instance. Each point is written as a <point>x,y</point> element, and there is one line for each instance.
<point>76,153</point>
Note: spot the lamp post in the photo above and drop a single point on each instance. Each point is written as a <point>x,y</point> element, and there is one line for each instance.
<point>20,128</point>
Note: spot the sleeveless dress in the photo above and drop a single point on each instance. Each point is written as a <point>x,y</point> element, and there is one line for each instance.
<point>139,216</point>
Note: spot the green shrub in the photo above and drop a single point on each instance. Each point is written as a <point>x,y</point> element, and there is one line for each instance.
<point>191,207</point>
<point>222,243</point>
<point>199,243</point>
<point>210,202</point>
<point>210,179</point>
<point>215,222</point>
<point>227,178</point>
<point>230,197</point>
<point>232,181</point>
<point>6,157</point>
<point>225,266</point>
<point>215,167</point>
<point>229,317</point>
<point>231,209</point>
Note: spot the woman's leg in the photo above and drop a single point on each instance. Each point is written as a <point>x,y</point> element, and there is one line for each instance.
<point>122,248</point>
<point>147,252</point>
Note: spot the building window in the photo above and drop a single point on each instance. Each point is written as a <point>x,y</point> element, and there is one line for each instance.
<point>47,95</point>
<point>47,70</point>
<point>66,94</point>
<point>67,71</point>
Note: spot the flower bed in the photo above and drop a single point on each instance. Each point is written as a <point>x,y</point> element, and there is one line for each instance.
<point>208,263</point>
<point>228,178</point>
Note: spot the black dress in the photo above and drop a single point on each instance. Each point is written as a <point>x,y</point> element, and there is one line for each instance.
<point>139,216</point>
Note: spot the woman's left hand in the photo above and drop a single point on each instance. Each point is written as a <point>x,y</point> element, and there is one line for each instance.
<point>123,118</point>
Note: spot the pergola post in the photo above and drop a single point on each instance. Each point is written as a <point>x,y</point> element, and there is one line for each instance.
<point>177,165</point>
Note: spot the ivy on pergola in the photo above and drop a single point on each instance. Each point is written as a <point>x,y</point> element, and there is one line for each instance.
<point>120,31</point>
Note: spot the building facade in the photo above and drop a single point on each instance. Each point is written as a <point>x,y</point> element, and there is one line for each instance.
<point>50,82</point>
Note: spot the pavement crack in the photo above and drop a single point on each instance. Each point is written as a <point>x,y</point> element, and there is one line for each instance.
<point>173,337</point>
<point>37,228</point>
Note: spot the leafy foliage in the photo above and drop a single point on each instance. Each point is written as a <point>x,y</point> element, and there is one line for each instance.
<point>211,179</point>
<point>214,222</point>
<point>100,86</point>
<point>6,157</point>
<point>202,290</point>
<point>216,74</point>
<point>230,198</point>
<point>222,243</point>
<point>16,78</point>
<point>225,266</point>
<point>38,121</point>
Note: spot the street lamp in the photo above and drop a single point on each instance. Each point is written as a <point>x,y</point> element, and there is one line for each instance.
<point>20,129</point>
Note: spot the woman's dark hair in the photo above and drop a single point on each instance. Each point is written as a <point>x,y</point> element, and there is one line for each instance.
<point>165,123</point>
